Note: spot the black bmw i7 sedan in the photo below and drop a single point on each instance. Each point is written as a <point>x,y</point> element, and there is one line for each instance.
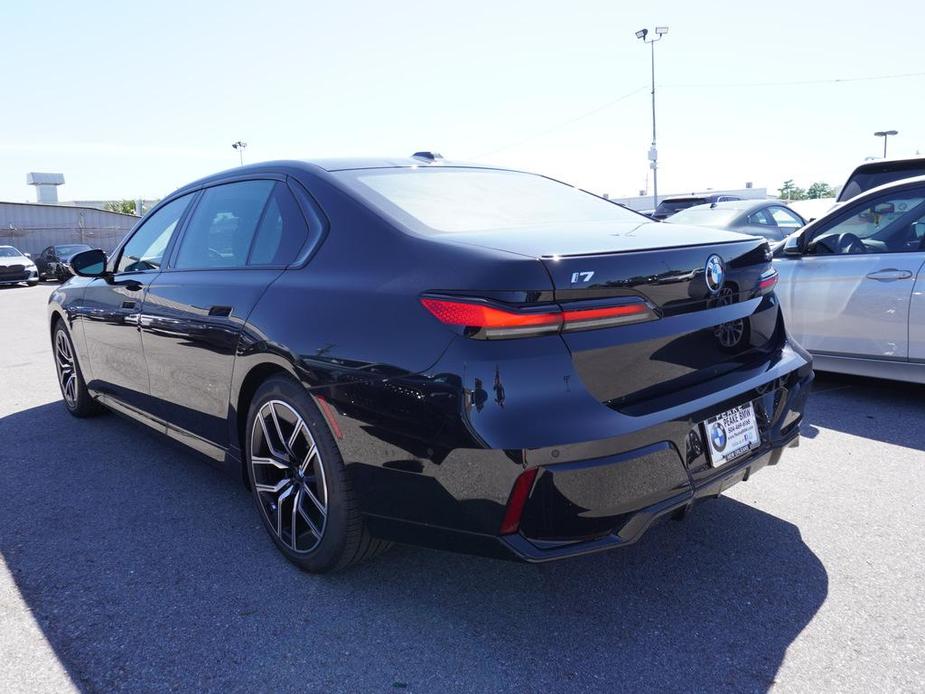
<point>449,355</point>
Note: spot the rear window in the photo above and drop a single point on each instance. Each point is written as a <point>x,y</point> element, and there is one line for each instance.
<point>705,216</point>
<point>873,175</point>
<point>672,206</point>
<point>448,200</point>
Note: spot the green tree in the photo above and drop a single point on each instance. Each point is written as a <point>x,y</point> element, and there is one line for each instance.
<point>123,206</point>
<point>791,191</point>
<point>819,189</point>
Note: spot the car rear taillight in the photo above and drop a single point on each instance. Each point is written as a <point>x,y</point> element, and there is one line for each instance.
<point>768,281</point>
<point>479,319</point>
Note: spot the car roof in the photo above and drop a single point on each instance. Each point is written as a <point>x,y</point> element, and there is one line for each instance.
<point>880,164</point>
<point>743,205</point>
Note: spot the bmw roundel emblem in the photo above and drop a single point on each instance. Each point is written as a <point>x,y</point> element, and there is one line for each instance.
<point>718,436</point>
<point>715,273</point>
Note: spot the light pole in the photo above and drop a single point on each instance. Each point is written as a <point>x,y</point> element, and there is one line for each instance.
<point>885,134</point>
<point>653,152</point>
<point>240,147</point>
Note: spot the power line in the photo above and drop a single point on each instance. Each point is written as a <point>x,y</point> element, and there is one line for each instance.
<point>790,83</point>
<point>564,123</point>
<point>588,114</point>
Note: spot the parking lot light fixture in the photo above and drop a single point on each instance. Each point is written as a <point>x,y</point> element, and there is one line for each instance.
<point>643,34</point>
<point>240,146</point>
<point>885,134</point>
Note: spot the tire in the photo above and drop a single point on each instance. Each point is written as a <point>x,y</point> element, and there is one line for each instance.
<point>304,499</point>
<point>32,283</point>
<point>74,391</point>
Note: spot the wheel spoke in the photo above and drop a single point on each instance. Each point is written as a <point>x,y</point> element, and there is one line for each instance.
<point>279,430</point>
<point>279,511</point>
<point>321,509</point>
<point>308,458</point>
<point>295,518</point>
<point>266,437</point>
<point>310,523</point>
<point>271,488</point>
<point>295,434</point>
<point>269,461</point>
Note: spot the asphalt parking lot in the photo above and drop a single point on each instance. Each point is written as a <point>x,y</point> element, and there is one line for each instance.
<point>127,562</point>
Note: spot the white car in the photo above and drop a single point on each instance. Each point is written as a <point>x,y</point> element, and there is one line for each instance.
<point>16,267</point>
<point>852,284</point>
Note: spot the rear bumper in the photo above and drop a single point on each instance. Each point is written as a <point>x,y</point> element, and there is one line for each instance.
<point>591,505</point>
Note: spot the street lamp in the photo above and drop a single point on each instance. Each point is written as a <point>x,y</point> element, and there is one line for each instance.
<point>885,134</point>
<point>240,147</point>
<point>653,152</point>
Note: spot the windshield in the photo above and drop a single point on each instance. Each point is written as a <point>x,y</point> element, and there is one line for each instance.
<point>452,200</point>
<point>704,216</point>
<point>872,175</point>
<point>67,251</point>
<point>9,252</point>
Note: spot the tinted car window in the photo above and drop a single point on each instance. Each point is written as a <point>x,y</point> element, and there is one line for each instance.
<point>889,223</point>
<point>785,219</point>
<point>873,175</point>
<point>282,231</point>
<point>145,250</point>
<point>433,201</point>
<point>222,226</point>
<point>669,207</point>
<point>761,217</point>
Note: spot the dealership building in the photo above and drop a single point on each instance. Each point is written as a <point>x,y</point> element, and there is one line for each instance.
<point>32,227</point>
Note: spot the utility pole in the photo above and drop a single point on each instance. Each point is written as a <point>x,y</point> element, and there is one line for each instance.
<point>885,134</point>
<point>240,147</point>
<point>653,151</point>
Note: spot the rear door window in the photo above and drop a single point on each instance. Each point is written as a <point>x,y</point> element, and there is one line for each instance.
<point>281,232</point>
<point>223,225</point>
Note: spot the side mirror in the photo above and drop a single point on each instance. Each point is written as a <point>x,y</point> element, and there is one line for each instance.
<point>28,255</point>
<point>793,245</point>
<point>885,208</point>
<point>89,263</point>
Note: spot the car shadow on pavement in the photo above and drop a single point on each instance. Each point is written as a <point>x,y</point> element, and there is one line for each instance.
<point>148,569</point>
<point>871,408</point>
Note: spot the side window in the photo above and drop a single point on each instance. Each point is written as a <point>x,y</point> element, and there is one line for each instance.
<point>145,250</point>
<point>786,220</point>
<point>282,231</point>
<point>889,223</point>
<point>761,217</point>
<point>223,225</point>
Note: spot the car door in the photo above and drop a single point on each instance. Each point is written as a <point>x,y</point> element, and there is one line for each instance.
<point>850,293</point>
<point>41,262</point>
<point>110,307</point>
<point>239,238</point>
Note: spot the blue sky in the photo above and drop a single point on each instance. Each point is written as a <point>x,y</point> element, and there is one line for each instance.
<point>136,99</point>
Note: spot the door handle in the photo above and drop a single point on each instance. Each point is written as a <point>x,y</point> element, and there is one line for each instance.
<point>221,311</point>
<point>889,274</point>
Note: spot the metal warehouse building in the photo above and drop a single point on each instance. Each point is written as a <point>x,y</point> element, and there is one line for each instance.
<point>32,227</point>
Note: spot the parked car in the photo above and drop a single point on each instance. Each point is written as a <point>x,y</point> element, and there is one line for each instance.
<point>460,357</point>
<point>17,267</point>
<point>872,174</point>
<point>670,206</point>
<point>54,261</point>
<point>770,219</point>
<point>852,284</point>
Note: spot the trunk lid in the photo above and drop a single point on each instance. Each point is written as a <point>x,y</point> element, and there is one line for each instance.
<point>701,334</point>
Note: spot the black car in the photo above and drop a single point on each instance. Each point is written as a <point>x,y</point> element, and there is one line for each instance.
<point>54,261</point>
<point>455,356</point>
<point>670,206</point>
<point>770,219</point>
